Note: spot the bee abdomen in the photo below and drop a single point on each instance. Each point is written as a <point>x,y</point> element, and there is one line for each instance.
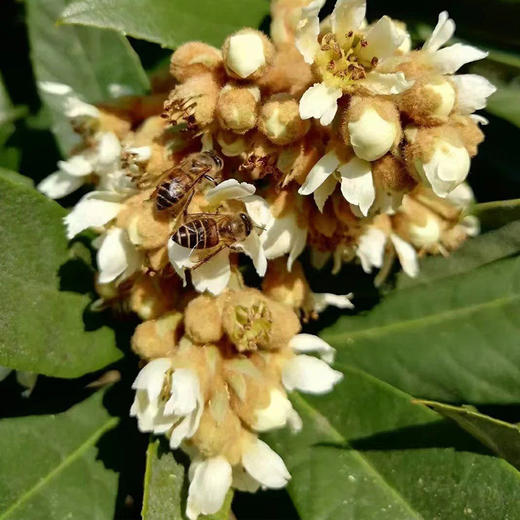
<point>168,194</point>
<point>197,234</point>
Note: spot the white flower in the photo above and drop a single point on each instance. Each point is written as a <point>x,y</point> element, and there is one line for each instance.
<point>307,373</point>
<point>282,235</point>
<point>472,89</point>
<point>277,414</point>
<point>117,257</point>
<point>372,247</point>
<point>324,300</point>
<point>210,482</point>
<point>380,42</point>
<point>178,413</point>
<point>355,176</point>
<point>213,275</point>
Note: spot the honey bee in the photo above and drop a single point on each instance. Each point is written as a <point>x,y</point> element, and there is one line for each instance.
<point>178,184</point>
<point>212,230</point>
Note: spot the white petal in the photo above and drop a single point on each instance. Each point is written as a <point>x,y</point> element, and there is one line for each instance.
<point>294,421</point>
<point>265,465</point>
<point>75,108</point>
<point>323,192</point>
<point>77,166</point>
<point>187,427</point>
<point>59,184</point>
<point>213,275</point>
<point>208,488</point>
<point>245,54</point>
<point>252,247</point>
<point>383,39</point>
<point>309,374</point>
<point>407,255</point>
<point>480,120</point>
<point>297,246</point>
<point>243,481</point>
<point>95,209</point>
<point>230,189</point>
<point>450,59</point>
<point>386,84</point>
<point>308,29</point>
<point>324,300</point>
<point>348,15</point>
<point>319,173</point>
<point>140,154</point>
<point>462,196</point>
<point>275,414</point>
<point>471,225</point>
<point>357,184</point>
<point>443,31</point>
<point>185,390</point>
<point>109,149</point>
<point>55,88</point>
<point>151,377</point>
<point>303,343</point>
<point>258,210</point>
<point>180,258</point>
<point>371,249</point>
<point>279,237</point>
<point>472,92</point>
<point>320,102</point>
<point>116,256</point>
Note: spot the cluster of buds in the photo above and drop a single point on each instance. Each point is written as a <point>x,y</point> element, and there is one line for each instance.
<point>190,179</point>
<point>217,375</point>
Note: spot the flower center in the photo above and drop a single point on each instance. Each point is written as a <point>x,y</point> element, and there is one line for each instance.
<point>338,65</point>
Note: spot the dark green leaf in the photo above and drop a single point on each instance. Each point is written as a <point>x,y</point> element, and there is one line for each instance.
<point>452,339</point>
<point>165,486</point>
<point>97,64</point>
<point>501,437</point>
<point>42,329</point>
<point>167,22</point>
<point>366,452</point>
<point>50,467</point>
<point>493,215</point>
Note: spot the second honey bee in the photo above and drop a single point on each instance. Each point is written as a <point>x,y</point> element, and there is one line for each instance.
<point>212,230</point>
<point>178,184</point>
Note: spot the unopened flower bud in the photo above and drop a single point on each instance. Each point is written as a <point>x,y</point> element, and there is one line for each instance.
<point>280,120</point>
<point>194,58</point>
<point>237,108</point>
<point>296,161</point>
<point>151,297</point>
<point>203,320</point>
<point>193,102</point>
<point>437,157</point>
<point>157,338</point>
<point>371,126</point>
<point>246,54</point>
<point>429,102</point>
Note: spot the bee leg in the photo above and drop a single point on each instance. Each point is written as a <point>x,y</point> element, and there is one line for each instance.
<point>209,257</point>
<point>210,179</point>
<point>187,203</point>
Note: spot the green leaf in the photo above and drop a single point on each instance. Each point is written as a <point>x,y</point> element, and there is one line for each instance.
<point>170,23</point>
<point>505,102</point>
<point>165,486</point>
<point>501,437</point>
<point>452,339</point>
<point>42,329</point>
<point>493,215</point>
<point>366,452</point>
<point>98,65</point>
<point>477,252</point>
<point>50,466</point>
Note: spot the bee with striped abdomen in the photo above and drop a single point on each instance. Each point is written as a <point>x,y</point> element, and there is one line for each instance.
<point>177,186</point>
<point>212,230</point>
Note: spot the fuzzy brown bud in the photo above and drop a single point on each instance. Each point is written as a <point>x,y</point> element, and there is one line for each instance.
<point>194,58</point>
<point>237,108</point>
<point>203,320</point>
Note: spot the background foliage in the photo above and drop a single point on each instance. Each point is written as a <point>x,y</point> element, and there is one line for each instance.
<point>394,441</point>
